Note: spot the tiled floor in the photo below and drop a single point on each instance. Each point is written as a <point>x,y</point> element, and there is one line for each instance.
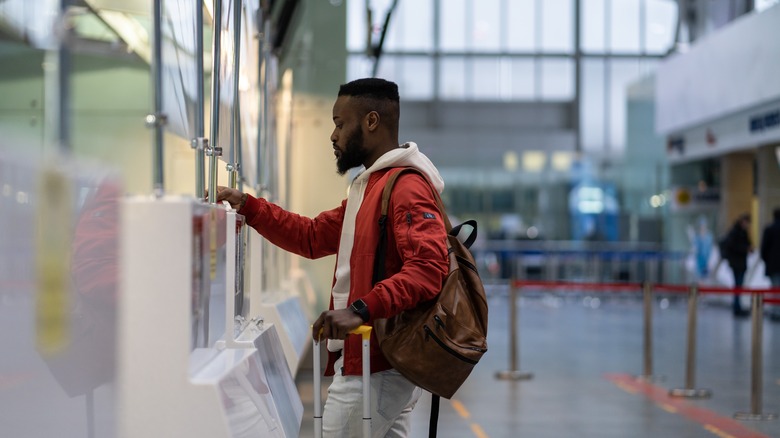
<point>584,353</point>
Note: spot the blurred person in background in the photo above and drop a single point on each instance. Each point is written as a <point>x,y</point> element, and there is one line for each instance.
<point>734,248</point>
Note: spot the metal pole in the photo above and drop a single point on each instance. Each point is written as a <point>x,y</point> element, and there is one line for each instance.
<point>266,125</point>
<point>90,402</point>
<point>366,350</point>
<point>200,143</point>
<point>513,373</point>
<point>577,78</point>
<point>214,149</point>
<point>647,294</point>
<point>262,77</point>
<point>63,81</point>
<point>317,390</point>
<point>756,361</point>
<point>157,120</point>
<point>690,359</point>
<point>232,166</point>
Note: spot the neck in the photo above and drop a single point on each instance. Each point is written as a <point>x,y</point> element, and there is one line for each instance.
<point>379,151</point>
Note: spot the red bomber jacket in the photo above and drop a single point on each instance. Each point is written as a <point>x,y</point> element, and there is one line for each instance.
<point>416,262</point>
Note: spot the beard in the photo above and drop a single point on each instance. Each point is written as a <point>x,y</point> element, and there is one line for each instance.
<point>354,153</point>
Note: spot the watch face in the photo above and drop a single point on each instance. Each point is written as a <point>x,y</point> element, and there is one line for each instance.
<point>360,308</point>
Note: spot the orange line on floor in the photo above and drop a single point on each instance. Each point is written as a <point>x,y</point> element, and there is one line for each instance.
<point>723,427</point>
<point>478,431</point>
<point>460,409</point>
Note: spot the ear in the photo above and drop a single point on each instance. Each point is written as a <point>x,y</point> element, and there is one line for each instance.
<point>372,121</point>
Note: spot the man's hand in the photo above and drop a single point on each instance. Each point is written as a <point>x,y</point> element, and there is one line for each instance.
<point>233,196</point>
<point>335,324</point>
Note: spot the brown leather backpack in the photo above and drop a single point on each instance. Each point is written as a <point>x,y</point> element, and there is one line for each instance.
<point>436,344</point>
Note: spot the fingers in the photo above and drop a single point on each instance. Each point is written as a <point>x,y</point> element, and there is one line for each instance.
<point>335,324</point>
<point>317,328</point>
<point>230,195</point>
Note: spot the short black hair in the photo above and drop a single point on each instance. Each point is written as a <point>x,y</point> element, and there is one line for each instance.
<point>371,88</point>
<point>375,94</point>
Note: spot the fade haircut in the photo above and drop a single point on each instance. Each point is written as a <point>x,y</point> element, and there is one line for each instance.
<point>374,94</point>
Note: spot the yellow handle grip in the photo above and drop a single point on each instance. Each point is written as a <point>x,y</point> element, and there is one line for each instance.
<point>363,330</point>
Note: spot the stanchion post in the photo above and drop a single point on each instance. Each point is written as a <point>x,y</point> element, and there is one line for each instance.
<point>690,359</point>
<point>513,373</point>
<point>647,296</point>
<point>756,362</point>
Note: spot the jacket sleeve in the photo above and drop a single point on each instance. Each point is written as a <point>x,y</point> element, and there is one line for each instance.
<point>310,238</point>
<point>421,241</point>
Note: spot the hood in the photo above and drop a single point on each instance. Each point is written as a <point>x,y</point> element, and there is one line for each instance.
<point>407,155</point>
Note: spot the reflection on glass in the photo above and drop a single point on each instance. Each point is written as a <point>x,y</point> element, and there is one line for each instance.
<point>31,21</point>
<point>241,295</point>
<point>248,402</point>
<point>249,88</point>
<point>208,287</point>
<point>179,69</point>
<point>225,79</point>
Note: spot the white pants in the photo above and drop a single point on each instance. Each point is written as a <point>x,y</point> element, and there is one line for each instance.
<point>392,400</point>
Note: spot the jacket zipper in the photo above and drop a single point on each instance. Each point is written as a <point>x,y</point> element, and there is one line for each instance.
<point>409,231</point>
<point>429,333</point>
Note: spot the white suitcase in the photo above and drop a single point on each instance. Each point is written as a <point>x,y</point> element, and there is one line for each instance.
<point>365,332</point>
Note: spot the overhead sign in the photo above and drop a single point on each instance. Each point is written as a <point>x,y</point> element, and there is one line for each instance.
<point>767,120</point>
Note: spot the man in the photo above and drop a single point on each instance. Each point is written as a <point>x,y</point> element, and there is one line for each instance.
<point>770,249</point>
<point>366,117</point>
<point>735,249</point>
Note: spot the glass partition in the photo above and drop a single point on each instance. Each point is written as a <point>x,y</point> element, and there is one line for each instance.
<point>179,69</point>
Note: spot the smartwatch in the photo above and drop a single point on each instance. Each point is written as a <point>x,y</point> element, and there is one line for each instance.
<point>360,308</point>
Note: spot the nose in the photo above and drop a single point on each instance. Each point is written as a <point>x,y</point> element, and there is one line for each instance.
<point>333,137</point>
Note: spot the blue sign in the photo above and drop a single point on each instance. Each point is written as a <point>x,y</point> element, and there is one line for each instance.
<point>765,121</point>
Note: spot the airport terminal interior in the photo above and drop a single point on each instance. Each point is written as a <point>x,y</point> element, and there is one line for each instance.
<point>605,148</point>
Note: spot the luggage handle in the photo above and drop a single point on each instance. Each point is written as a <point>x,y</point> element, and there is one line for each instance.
<point>365,332</point>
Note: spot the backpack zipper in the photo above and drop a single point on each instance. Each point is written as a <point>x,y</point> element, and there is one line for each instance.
<point>448,349</point>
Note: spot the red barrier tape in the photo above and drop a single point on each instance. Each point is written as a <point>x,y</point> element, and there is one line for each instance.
<point>637,286</point>
<point>575,285</point>
<point>772,301</point>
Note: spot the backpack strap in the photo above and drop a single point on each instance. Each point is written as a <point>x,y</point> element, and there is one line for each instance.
<point>381,249</point>
<point>389,188</point>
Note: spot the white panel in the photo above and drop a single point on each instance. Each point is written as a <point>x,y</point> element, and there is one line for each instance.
<point>733,69</point>
<point>286,313</point>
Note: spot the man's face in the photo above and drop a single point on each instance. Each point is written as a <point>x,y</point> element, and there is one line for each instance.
<point>347,137</point>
